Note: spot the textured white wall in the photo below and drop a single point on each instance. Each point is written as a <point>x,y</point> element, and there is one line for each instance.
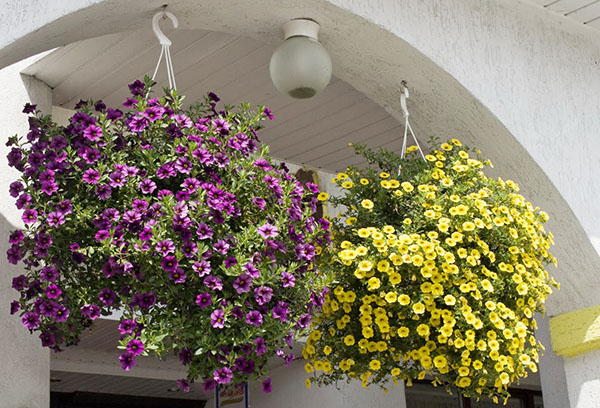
<point>583,380</point>
<point>25,371</point>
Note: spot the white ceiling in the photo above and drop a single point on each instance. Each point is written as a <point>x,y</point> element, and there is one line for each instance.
<point>313,132</point>
<point>585,12</point>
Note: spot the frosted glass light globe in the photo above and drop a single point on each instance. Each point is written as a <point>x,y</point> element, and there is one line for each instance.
<point>300,67</point>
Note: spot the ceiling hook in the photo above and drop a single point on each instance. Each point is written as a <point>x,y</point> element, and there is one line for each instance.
<point>403,96</point>
<point>162,38</point>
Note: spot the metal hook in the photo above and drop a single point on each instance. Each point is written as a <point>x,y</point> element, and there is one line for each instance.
<point>162,38</point>
<point>403,96</point>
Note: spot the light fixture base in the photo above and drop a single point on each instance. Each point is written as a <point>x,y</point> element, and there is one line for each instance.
<point>304,27</point>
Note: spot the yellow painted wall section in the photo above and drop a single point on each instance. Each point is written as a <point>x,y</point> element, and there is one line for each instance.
<point>576,332</point>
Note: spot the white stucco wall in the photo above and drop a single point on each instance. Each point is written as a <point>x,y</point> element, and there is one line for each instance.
<point>583,380</point>
<point>25,365</point>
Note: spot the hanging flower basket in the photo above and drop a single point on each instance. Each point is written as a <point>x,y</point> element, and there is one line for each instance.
<point>439,271</point>
<point>179,219</point>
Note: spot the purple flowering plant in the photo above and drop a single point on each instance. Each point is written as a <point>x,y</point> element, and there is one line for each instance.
<point>176,217</point>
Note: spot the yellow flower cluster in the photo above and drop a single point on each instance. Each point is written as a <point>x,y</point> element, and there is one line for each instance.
<point>438,275</point>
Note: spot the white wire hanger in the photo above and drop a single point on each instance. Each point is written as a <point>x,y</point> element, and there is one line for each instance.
<point>165,43</point>
<point>407,127</point>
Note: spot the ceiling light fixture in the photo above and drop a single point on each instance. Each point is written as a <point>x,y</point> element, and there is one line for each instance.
<point>300,67</point>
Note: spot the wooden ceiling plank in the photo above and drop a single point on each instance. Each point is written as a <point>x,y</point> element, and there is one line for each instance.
<point>117,66</point>
<point>568,6</point>
<point>304,126</point>
<point>361,125</point>
<point>289,145</point>
<point>588,13</point>
<point>183,55</point>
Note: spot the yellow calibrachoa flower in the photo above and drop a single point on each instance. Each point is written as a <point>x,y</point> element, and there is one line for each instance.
<point>368,204</point>
<point>420,277</point>
<point>322,196</point>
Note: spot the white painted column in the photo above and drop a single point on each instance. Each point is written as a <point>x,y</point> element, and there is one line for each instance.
<point>25,365</point>
<point>552,370</point>
<point>583,380</point>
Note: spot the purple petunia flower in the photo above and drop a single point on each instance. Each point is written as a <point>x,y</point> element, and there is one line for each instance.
<point>203,300</point>
<point>14,254</point>
<point>103,191</point>
<point>183,385</point>
<point>280,311</point>
<point>242,283</point>
<point>186,355</point>
<point>113,114</point>
<point>14,307</point>
<point>138,123</point>
<point>127,360</point>
<point>154,113</point>
<point>49,273</point>
<point>209,384</point>
<point>251,270</point>
<point>29,216</point>
<point>261,347</point>
<point>92,133</point>
<point>102,235</point>
<point>147,300</point>
<point>117,179</point>
<point>16,237</point>
<point>91,176</point>
<point>64,207</point>
<point>147,186</point>
<point>230,262</point>
<point>217,319</point>
<point>213,283</point>
<point>223,375</point>
<point>266,385</point>
<point>127,326</point>
<point>304,321</point>
<point>305,252</point>
<point>183,165</point>
<point>189,249</point>
<point>48,339</point>
<point>177,276</point>
<point>254,318</point>
<point>202,268</point>
<point>135,347</point>
<point>288,280</point>
<point>190,184</point>
<point>259,202</point>
<point>90,155</point>
<point>31,320</point>
<point>61,314</point>
<point>49,188</point>
<point>221,126</point>
<point>19,282</point>
<point>263,295</point>
<point>267,231</point>
<point>107,297</point>
<point>221,247</point>
<point>53,291</point>
<point>204,231</point>
<point>169,263</point>
<point>165,247</point>
<point>15,188</point>
<point>92,311</point>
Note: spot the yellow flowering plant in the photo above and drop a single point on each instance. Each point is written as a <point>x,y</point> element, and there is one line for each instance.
<point>438,270</point>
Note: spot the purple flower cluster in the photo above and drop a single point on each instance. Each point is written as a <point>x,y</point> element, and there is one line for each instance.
<point>177,218</point>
